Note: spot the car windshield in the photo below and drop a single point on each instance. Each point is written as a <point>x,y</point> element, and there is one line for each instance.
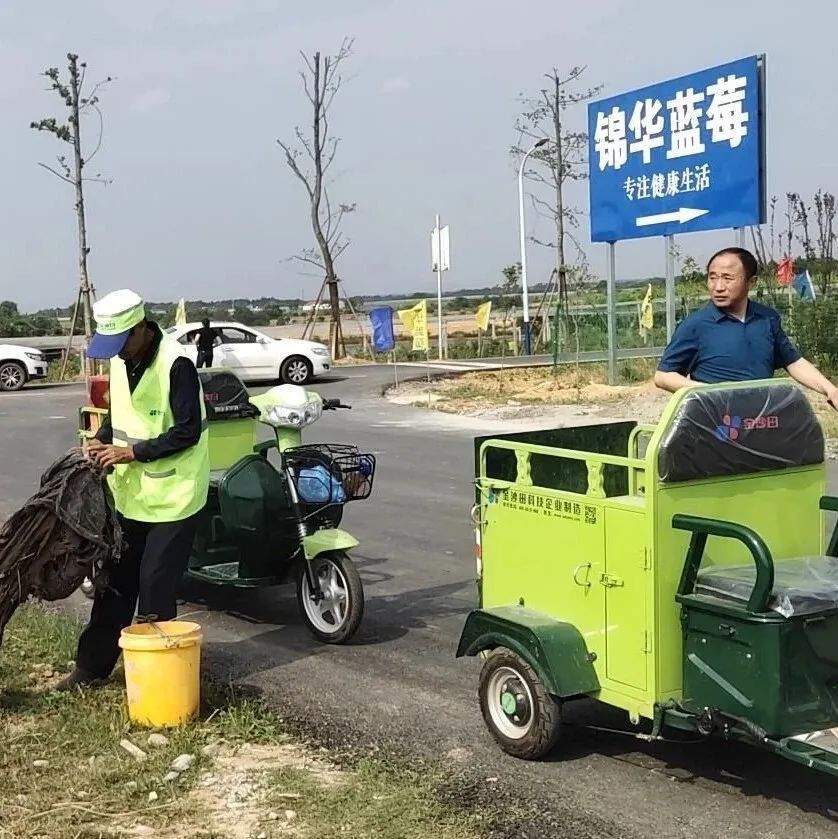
<point>170,330</point>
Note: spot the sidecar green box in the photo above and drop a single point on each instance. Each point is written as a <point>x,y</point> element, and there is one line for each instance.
<point>776,666</point>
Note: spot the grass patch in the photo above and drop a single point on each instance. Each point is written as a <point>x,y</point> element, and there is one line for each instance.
<point>87,780</point>
<point>63,774</point>
<point>371,801</point>
<point>566,384</point>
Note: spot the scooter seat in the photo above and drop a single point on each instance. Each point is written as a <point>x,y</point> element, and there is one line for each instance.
<point>803,585</point>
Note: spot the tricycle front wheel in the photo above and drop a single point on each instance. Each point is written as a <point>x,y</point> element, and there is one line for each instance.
<point>522,716</point>
<point>337,616</point>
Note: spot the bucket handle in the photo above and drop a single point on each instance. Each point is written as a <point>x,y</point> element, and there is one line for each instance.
<point>151,620</point>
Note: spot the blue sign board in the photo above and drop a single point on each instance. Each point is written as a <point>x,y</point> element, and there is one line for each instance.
<point>680,156</point>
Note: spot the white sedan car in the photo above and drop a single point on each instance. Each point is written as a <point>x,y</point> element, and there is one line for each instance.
<point>255,357</point>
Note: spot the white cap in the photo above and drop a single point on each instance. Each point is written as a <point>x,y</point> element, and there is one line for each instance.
<point>116,314</point>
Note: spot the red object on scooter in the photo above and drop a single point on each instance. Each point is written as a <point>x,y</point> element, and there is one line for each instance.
<point>99,391</point>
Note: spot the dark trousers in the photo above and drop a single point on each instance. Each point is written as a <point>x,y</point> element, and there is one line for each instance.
<point>146,579</point>
<point>204,358</point>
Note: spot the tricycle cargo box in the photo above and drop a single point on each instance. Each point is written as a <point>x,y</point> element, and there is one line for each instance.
<point>561,473</point>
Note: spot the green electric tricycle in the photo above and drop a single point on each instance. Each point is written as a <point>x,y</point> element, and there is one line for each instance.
<point>679,572</point>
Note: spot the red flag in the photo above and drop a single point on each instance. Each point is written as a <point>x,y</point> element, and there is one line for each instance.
<point>785,271</point>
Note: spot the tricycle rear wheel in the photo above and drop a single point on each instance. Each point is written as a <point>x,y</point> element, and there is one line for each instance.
<point>336,618</point>
<point>522,716</point>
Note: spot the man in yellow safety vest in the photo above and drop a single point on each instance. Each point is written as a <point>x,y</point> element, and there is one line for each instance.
<point>154,445</point>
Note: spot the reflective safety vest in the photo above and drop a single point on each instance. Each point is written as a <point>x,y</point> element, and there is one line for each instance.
<point>172,488</point>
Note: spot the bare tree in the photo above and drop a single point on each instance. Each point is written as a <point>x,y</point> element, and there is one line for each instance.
<point>818,251</point>
<point>825,217</point>
<point>562,159</point>
<point>764,249</point>
<point>310,158</point>
<point>792,217</point>
<point>79,103</point>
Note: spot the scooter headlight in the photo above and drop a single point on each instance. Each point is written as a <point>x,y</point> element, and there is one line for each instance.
<point>278,416</point>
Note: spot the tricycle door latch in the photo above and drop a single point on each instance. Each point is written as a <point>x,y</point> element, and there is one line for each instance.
<point>610,581</point>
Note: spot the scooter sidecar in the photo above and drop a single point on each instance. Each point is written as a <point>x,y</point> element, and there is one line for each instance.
<point>677,571</point>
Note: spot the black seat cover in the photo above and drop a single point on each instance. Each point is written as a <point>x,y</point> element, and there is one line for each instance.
<point>225,397</point>
<point>739,431</point>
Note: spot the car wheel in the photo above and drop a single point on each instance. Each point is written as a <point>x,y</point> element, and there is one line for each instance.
<point>12,376</point>
<point>295,370</point>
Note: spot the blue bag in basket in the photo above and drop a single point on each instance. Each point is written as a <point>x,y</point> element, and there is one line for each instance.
<point>316,485</point>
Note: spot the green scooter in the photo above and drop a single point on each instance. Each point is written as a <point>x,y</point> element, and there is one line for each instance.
<point>266,524</point>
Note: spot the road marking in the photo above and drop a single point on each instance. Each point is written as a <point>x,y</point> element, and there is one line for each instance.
<point>56,418</point>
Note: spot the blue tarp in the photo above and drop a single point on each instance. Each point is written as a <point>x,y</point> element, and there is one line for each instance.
<point>803,285</point>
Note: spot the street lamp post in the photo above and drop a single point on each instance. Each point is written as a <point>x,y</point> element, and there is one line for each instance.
<point>525,297</point>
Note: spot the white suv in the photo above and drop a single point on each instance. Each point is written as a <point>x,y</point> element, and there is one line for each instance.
<point>19,365</point>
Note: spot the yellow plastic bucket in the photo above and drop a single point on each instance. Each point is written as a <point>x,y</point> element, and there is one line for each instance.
<point>162,672</point>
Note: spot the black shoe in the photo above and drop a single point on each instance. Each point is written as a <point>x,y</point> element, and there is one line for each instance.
<point>78,679</point>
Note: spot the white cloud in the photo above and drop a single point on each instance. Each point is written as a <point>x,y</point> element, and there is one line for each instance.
<point>150,100</point>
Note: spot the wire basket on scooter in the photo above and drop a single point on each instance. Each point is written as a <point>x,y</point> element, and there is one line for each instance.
<point>329,474</point>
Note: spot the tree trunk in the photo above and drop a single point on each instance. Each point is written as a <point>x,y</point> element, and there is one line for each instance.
<point>75,121</point>
<point>338,348</point>
<point>561,267</point>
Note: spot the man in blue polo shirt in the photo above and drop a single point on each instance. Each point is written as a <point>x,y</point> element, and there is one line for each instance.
<point>732,338</point>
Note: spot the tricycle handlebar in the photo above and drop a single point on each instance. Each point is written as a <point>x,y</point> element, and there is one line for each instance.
<point>701,528</point>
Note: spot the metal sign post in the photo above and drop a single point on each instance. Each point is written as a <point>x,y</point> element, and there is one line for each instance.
<point>670,286</point>
<point>680,156</point>
<point>441,259</point>
<point>611,298</point>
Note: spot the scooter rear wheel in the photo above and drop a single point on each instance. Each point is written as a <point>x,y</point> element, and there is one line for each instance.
<point>336,618</point>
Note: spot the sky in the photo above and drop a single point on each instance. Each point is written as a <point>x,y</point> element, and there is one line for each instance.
<point>202,205</point>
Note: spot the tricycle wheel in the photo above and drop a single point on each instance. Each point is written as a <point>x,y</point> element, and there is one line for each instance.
<point>336,618</point>
<point>522,716</point>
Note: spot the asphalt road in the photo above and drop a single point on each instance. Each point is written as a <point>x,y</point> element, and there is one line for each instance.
<point>400,686</point>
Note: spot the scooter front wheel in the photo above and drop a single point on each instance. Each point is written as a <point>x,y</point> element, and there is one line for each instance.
<point>336,617</point>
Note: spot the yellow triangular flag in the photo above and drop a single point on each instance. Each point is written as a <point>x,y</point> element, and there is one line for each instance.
<point>484,311</point>
<point>180,314</point>
<point>647,315</point>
